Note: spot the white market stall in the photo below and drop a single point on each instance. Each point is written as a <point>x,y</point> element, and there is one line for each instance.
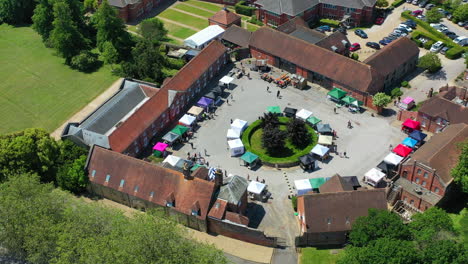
<point>393,159</point>
<point>172,160</point>
<point>256,190</point>
<point>373,177</point>
<point>303,114</point>
<point>200,39</point>
<point>187,120</point>
<point>320,151</point>
<point>325,140</point>
<point>233,133</point>
<point>236,147</point>
<point>226,81</point>
<point>239,125</point>
<point>303,186</point>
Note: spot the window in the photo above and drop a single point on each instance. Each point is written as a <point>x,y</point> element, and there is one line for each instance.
<point>151,194</point>
<point>145,141</point>
<point>411,202</point>
<point>423,183</point>
<point>135,189</point>
<point>406,199</point>
<point>122,182</point>
<point>426,175</point>
<point>195,212</point>
<point>93,173</point>
<point>417,180</point>
<point>419,171</point>
<point>169,204</point>
<point>347,220</point>
<point>137,149</point>
<point>107,178</point>
<point>436,190</point>
<point>329,221</point>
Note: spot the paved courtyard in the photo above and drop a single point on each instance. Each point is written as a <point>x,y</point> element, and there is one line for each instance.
<point>366,144</point>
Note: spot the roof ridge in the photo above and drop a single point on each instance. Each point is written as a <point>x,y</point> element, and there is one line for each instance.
<point>446,142</point>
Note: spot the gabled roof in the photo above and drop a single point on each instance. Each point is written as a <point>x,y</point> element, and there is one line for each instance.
<point>218,209</point>
<point>441,152</point>
<point>337,39</point>
<point>225,17</point>
<point>393,56</point>
<point>333,212</point>
<point>143,179</point>
<point>237,218</point>
<point>309,35</point>
<point>237,35</point>
<point>296,7</point>
<point>291,25</point>
<point>336,184</point>
<point>443,105</point>
<point>122,3</point>
<point>343,70</point>
<point>234,189</point>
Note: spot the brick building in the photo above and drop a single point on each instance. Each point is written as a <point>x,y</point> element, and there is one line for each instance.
<point>353,12</point>
<point>126,122</point>
<point>425,177</point>
<point>129,10</point>
<point>225,18</point>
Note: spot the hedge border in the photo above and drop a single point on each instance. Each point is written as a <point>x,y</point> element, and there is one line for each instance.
<point>398,3</point>
<point>329,22</point>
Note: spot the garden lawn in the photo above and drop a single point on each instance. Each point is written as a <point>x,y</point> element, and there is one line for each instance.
<point>251,27</point>
<point>194,10</point>
<point>37,88</point>
<point>178,31</point>
<point>184,18</point>
<point>318,256</point>
<point>205,5</point>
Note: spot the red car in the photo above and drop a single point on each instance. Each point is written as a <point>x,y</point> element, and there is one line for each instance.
<point>354,47</point>
<point>379,20</point>
<point>416,12</point>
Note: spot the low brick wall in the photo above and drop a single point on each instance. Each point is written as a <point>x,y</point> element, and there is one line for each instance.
<point>403,115</point>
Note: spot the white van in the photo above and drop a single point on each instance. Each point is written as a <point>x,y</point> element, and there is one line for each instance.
<point>437,46</point>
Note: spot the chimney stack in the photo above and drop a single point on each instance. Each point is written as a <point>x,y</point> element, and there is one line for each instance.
<point>218,177</point>
<point>186,172</point>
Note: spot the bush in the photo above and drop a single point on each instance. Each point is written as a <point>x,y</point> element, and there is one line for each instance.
<point>255,21</point>
<point>175,63</point>
<point>404,84</point>
<point>242,9</point>
<point>397,3</point>
<point>354,56</point>
<point>294,202</point>
<point>418,42</point>
<point>454,53</point>
<point>396,92</point>
<point>85,61</point>
<point>329,22</point>
<point>430,62</point>
<point>428,44</point>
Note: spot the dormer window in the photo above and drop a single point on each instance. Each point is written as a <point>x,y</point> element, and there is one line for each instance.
<point>122,182</point>
<point>108,178</point>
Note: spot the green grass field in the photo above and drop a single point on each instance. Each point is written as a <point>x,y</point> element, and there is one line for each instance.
<point>252,27</point>
<point>205,5</point>
<point>178,31</point>
<point>194,10</point>
<point>184,18</point>
<point>37,88</point>
<point>318,256</point>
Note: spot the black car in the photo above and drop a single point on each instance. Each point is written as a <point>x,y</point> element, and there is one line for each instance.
<point>410,23</point>
<point>360,33</point>
<point>373,45</point>
<point>452,36</point>
<point>444,50</point>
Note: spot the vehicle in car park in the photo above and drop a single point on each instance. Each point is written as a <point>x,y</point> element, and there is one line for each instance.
<point>325,28</point>
<point>436,47</point>
<point>408,28</point>
<point>404,30</point>
<point>360,33</point>
<point>393,36</point>
<point>450,34</point>
<point>461,40</point>
<point>400,32</point>
<point>421,17</point>
<point>444,50</point>
<point>379,20</point>
<point>462,23</point>
<point>354,47</point>
<point>373,45</point>
<point>416,12</point>
<point>415,2</point>
<point>410,23</point>
<point>409,1</point>
<point>423,3</point>
<point>423,40</point>
<point>430,6</point>
<point>384,42</point>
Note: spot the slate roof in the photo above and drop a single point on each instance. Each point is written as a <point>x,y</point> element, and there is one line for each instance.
<point>441,152</point>
<point>333,212</point>
<point>291,25</point>
<point>442,105</point>
<point>163,183</point>
<point>225,17</point>
<point>237,35</point>
<point>295,7</point>
<point>337,39</point>
<point>343,70</point>
<point>233,190</point>
<point>308,35</point>
<point>122,3</point>
<point>336,184</point>
<point>393,56</point>
<point>410,187</point>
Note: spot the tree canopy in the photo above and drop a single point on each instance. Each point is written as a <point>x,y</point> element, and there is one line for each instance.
<point>381,99</point>
<point>460,171</point>
<point>153,30</point>
<point>430,62</point>
<point>461,13</point>
<point>433,16</point>
<point>381,3</point>
<point>16,11</point>
<point>298,133</point>
<point>427,226</point>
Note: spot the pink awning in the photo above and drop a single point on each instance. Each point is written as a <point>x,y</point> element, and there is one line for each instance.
<point>160,146</point>
<point>408,100</point>
<point>402,150</point>
<point>410,123</point>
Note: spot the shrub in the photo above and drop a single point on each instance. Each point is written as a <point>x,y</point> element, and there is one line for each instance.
<point>242,9</point>
<point>418,42</point>
<point>254,20</point>
<point>354,56</point>
<point>397,3</point>
<point>404,84</point>
<point>428,44</point>
<point>454,53</point>
<point>175,63</point>
<point>329,22</point>
<point>430,62</point>
<point>396,92</point>
<point>294,202</point>
<point>85,61</point>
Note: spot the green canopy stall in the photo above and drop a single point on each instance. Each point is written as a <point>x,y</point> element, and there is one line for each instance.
<point>180,130</point>
<point>274,110</point>
<point>337,94</point>
<point>348,99</point>
<point>313,120</point>
<point>249,159</point>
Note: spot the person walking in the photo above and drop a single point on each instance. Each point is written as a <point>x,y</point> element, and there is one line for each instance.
<point>268,89</point>
<point>191,144</point>
<point>204,150</point>
<point>349,124</point>
<point>231,120</point>
<point>334,110</point>
<point>344,154</point>
<point>278,94</point>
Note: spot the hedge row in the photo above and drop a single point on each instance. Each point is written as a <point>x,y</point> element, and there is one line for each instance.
<point>242,9</point>
<point>329,22</point>
<point>398,3</point>
<point>454,53</point>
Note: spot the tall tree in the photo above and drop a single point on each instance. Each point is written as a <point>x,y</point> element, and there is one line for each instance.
<point>298,133</point>
<point>16,11</point>
<point>461,13</point>
<point>110,54</point>
<point>427,226</point>
<point>72,176</point>
<point>43,18</point>
<point>444,251</point>
<point>153,30</point>
<point>460,171</point>
<point>430,62</point>
<point>273,139</point>
<point>433,16</point>
<point>381,3</point>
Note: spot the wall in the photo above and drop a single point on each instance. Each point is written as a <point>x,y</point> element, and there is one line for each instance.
<point>322,239</point>
<point>263,56</point>
<point>402,115</point>
<point>240,232</point>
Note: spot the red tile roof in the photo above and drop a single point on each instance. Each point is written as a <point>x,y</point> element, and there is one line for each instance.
<point>237,218</point>
<point>225,17</point>
<point>442,105</point>
<point>335,184</point>
<point>148,178</point>
<point>218,209</point>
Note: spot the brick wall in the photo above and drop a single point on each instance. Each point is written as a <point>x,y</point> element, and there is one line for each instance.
<point>262,56</point>
<point>322,239</point>
<point>402,115</point>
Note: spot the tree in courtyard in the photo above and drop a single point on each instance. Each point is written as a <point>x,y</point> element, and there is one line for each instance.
<point>110,54</point>
<point>16,11</point>
<point>91,5</point>
<point>72,176</point>
<point>381,100</point>
<point>381,3</point>
<point>431,225</point>
<point>298,132</point>
<point>378,224</point>
<point>273,139</point>
<point>444,251</point>
<point>433,16</point>
<point>430,62</point>
<point>153,30</point>
<point>269,119</point>
<point>460,171</point>
<point>461,13</point>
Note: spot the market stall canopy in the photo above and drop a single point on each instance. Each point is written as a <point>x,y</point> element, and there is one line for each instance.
<point>374,175</point>
<point>418,135</point>
<point>410,123</point>
<point>274,109</point>
<point>236,147</point>
<point>204,102</point>
<point>317,182</point>
<point>160,146</point>
<point>320,150</point>
<point>180,130</point>
<point>337,93</point>
<point>239,124</point>
<point>402,150</point>
<point>307,159</point>
<point>385,167</point>
<point>408,100</point>
<point>256,187</point>
<point>303,114</point>
<point>303,186</point>
<point>172,160</point>
<point>288,111</point>
<point>325,140</point>
<point>226,80</point>
<point>187,120</point>
<point>357,103</point>
<point>249,157</point>
<point>348,99</point>
<point>324,128</point>
<point>196,166</point>
<point>313,120</point>
<point>202,37</point>
<point>392,158</point>
<point>410,142</point>
<point>195,110</point>
<point>233,133</point>
<point>211,95</point>
<point>170,137</point>
<point>217,90</point>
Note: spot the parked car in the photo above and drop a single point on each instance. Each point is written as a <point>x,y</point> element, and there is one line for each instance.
<point>393,36</point>
<point>444,50</point>
<point>423,40</point>
<point>379,20</point>
<point>402,29</point>
<point>423,3</point>
<point>416,12</point>
<point>460,40</point>
<point>373,45</point>
<point>436,47</point>
<point>421,17</point>
<point>399,32</point>
<point>384,42</point>
<point>410,23</point>
<point>450,34</point>
<point>430,6</point>
<point>449,16</point>
<point>355,46</point>
<point>408,28</point>
<point>360,33</point>
<point>415,2</point>
<point>462,23</point>
<point>409,1</point>
<point>325,28</point>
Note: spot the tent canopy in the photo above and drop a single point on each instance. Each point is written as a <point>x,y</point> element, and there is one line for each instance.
<point>418,135</point>
<point>303,185</point>
<point>357,103</point>
<point>348,99</point>
<point>171,137</point>
<point>274,109</point>
<point>408,100</point>
<point>325,140</point>
<point>211,95</point>
<point>385,167</point>
<point>313,120</point>
<point>289,111</point>
<point>226,80</point>
<point>235,143</point>
<point>187,120</point>
<point>402,150</point>
<point>307,159</point>
<point>374,175</point>
<point>324,128</point>
<point>203,36</point>
<point>337,93</point>
<point>172,160</point>
<point>249,157</point>
<point>160,146</point>
<point>195,110</point>
<point>317,182</point>
<point>410,123</point>
<point>392,158</point>
<point>320,150</point>
<point>410,142</point>
<point>303,114</point>
<point>217,90</point>
<point>256,187</point>
<point>204,102</point>
<point>180,130</point>
<point>239,124</point>
<point>233,133</point>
